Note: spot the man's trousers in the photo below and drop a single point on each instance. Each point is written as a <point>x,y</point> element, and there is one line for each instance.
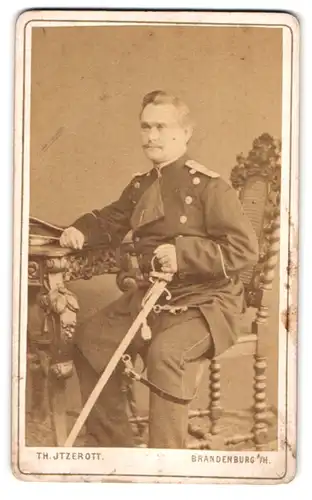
<point>173,359</point>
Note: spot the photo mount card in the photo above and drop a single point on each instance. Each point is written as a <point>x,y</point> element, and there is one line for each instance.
<point>220,91</point>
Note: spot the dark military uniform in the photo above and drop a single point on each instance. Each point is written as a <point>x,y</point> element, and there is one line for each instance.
<point>191,207</point>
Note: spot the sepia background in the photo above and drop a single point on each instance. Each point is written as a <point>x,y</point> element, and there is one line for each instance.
<point>87,87</point>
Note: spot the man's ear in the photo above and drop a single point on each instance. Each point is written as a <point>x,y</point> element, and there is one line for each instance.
<point>188,130</point>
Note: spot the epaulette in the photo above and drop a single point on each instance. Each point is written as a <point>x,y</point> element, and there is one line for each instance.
<point>194,165</point>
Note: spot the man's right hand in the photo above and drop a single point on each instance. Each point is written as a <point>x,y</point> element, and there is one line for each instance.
<point>72,238</point>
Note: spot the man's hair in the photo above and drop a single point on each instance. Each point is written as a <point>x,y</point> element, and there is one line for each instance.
<point>161,97</point>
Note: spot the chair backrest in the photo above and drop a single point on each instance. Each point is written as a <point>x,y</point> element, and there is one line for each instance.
<point>257,179</point>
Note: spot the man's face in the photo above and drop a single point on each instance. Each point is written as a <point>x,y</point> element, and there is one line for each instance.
<point>164,138</point>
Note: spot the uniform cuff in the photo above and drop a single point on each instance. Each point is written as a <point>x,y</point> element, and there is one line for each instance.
<point>89,225</point>
<point>198,256</point>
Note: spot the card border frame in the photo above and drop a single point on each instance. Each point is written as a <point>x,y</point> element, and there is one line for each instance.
<point>19,216</point>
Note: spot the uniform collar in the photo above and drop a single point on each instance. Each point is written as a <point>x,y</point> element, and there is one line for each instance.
<point>178,163</point>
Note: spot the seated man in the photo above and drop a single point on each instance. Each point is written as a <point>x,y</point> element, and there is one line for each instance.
<point>192,221</point>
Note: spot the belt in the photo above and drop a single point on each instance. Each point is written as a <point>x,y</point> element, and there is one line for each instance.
<point>142,263</point>
<point>132,374</point>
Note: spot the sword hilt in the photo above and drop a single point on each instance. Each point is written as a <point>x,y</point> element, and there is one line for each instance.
<point>160,278</point>
<point>158,275</point>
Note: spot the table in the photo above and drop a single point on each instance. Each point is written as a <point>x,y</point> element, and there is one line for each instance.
<point>52,310</point>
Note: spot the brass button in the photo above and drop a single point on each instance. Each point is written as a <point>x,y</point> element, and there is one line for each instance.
<point>196,181</point>
<point>192,171</point>
<point>137,185</point>
<point>183,219</point>
<point>188,200</point>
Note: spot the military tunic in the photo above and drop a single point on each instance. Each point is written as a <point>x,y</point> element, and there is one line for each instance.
<point>193,208</point>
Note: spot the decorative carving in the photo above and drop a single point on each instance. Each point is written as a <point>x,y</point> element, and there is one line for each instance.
<point>56,264</point>
<point>58,299</point>
<point>257,178</point>
<point>126,280</point>
<point>84,265</point>
<point>260,428</point>
<point>34,273</point>
<point>215,394</point>
<point>75,266</point>
<point>88,263</point>
<point>60,306</point>
<point>264,160</point>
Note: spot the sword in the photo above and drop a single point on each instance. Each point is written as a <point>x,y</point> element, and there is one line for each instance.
<point>160,281</point>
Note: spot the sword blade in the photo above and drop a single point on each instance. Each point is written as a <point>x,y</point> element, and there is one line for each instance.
<point>152,296</point>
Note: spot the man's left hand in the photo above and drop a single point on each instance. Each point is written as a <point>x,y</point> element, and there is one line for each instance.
<point>167,257</point>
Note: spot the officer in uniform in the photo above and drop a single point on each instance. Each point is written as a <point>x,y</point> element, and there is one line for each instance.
<point>189,219</point>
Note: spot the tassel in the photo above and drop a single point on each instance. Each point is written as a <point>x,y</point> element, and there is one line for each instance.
<point>45,324</point>
<point>146,332</point>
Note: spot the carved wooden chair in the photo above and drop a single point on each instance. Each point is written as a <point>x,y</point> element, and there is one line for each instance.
<point>256,179</point>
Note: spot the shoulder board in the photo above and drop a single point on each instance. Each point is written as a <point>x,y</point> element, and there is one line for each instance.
<point>201,168</point>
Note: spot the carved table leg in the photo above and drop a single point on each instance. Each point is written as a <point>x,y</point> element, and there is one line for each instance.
<point>61,307</point>
<point>38,343</point>
<point>57,396</point>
